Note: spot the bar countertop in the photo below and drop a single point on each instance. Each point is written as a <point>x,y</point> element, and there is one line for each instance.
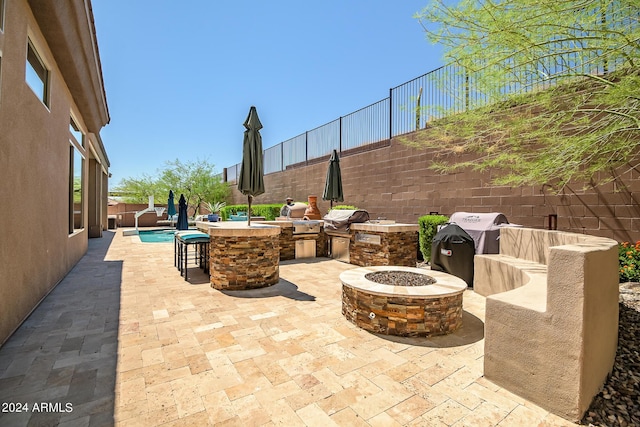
<point>237,228</point>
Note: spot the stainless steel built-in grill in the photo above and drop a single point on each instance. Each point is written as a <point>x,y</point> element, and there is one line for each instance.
<point>336,226</point>
<point>306,227</point>
<point>306,247</point>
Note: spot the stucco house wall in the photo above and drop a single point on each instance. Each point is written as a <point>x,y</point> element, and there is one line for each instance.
<point>36,248</point>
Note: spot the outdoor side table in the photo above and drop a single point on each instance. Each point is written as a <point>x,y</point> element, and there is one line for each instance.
<point>200,243</point>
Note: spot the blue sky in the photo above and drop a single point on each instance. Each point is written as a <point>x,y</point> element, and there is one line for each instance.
<point>180,76</point>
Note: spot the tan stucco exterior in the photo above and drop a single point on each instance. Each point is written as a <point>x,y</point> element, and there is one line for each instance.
<point>36,248</point>
<point>551,319</point>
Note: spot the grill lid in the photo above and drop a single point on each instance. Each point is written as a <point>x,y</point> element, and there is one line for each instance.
<point>484,228</point>
<point>340,220</point>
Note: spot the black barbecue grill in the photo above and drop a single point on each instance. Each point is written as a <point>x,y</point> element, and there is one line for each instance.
<point>484,228</point>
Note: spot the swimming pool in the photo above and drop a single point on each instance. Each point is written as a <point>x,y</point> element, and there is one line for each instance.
<point>156,236</point>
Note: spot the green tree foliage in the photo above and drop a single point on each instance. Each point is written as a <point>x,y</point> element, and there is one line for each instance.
<point>554,88</point>
<point>137,190</point>
<point>196,180</point>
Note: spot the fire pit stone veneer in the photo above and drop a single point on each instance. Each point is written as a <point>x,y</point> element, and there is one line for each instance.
<point>434,309</point>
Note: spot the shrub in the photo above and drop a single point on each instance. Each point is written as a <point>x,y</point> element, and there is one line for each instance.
<point>229,210</point>
<point>344,208</point>
<point>428,227</point>
<point>629,260</point>
<point>268,211</point>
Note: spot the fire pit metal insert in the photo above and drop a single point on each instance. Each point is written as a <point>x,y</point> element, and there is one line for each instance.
<point>400,278</point>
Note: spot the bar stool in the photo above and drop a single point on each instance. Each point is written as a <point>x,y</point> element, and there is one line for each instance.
<point>200,242</point>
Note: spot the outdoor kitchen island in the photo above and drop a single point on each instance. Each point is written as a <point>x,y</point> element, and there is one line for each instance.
<point>369,243</point>
<point>372,243</point>
<point>300,238</point>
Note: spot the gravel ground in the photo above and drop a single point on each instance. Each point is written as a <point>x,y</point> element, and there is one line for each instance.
<point>618,404</point>
<point>400,278</point>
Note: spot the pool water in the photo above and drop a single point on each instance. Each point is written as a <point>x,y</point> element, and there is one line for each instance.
<point>156,236</point>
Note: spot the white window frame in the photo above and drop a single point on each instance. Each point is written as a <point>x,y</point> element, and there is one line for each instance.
<point>76,156</point>
<point>2,6</point>
<point>76,131</point>
<point>43,75</point>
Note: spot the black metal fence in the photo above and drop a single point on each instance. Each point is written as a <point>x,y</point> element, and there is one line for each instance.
<point>444,91</point>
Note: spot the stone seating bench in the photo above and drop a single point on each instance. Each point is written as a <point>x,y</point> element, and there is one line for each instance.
<point>551,318</point>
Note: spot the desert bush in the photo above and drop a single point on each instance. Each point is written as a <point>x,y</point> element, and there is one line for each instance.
<point>344,208</point>
<point>428,227</point>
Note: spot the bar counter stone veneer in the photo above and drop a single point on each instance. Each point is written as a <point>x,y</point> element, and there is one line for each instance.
<point>243,257</point>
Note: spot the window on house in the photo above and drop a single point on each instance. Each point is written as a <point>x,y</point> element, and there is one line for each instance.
<point>76,132</point>
<point>1,15</point>
<point>37,74</point>
<point>76,193</point>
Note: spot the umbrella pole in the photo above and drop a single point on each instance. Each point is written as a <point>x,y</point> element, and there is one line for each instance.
<point>249,212</point>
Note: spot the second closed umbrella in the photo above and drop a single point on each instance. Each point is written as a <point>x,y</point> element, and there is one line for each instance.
<point>183,221</point>
<point>251,179</point>
<point>333,184</point>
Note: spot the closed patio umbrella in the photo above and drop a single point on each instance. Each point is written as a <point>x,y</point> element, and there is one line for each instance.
<point>251,179</point>
<point>333,184</point>
<point>183,221</point>
<point>171,206</point>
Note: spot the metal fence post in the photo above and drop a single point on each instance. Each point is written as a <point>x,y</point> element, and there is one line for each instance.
<point>466,89</point>
<point>390,113</point>
<point>340,136</point>
<point>306,146</point>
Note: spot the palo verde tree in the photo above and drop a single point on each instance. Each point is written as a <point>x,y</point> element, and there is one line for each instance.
<point>196,180</point>
<point>552,88</point>
<point>137,190</point>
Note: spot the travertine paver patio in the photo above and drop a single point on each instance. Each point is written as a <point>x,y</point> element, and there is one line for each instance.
<point>125,339</point>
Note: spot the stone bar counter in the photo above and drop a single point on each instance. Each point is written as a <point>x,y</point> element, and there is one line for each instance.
<point>383,244</point>
<point>242,257</point>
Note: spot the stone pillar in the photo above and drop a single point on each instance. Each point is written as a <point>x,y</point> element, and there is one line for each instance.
<point>243,257</point>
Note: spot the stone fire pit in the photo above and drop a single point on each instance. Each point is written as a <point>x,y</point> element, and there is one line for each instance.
<point>404,301</point>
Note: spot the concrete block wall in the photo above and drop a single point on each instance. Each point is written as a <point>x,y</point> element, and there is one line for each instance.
<point>394,181</point>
